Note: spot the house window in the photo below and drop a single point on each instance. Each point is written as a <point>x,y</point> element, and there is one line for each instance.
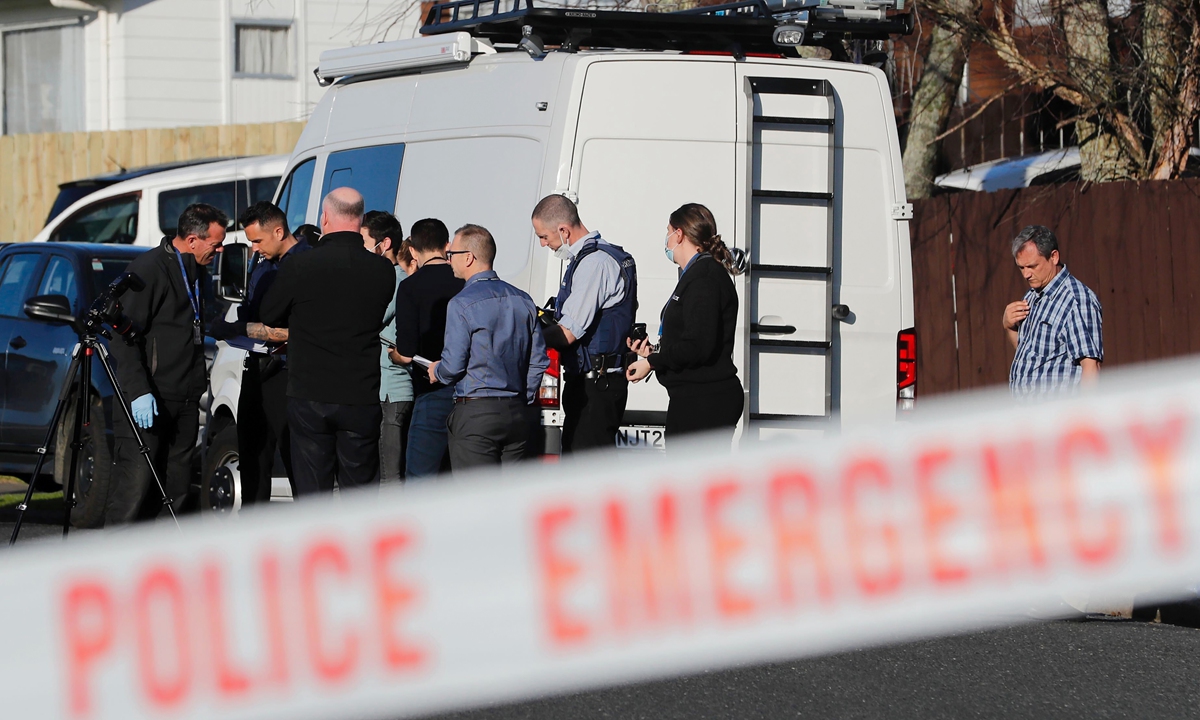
<point>43,80</point>
<point>1031,13</point>
<point>262,50</point>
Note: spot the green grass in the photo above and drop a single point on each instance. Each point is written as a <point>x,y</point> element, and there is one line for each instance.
<point>49,502</point>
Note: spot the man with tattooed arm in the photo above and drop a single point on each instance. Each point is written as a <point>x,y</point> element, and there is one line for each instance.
<point>262,406</point>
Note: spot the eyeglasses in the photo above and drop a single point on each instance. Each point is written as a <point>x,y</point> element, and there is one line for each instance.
<point>452,253</point>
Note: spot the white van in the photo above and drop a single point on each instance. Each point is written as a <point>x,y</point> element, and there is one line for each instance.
<point>140,211</point>
<point>797,159</point>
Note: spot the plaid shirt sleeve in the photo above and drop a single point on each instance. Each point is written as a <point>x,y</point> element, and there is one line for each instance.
<point>1083,328</point>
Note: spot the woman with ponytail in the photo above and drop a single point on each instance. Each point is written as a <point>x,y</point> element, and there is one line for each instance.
<point>694,357</point>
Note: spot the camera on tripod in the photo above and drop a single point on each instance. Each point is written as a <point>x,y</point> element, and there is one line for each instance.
<point>106,310</point>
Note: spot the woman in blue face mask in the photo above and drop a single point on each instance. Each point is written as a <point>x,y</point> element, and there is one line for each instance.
<point>694,357</point>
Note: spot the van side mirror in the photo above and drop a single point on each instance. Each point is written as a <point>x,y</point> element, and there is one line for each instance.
<point>233,272</point>
<point>50,308</point>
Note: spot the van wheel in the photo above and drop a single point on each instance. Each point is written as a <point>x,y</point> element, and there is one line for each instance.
<point>93,464</point>
<point>221,483</point>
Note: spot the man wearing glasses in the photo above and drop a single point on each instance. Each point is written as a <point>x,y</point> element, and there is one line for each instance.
<point>493,355</point>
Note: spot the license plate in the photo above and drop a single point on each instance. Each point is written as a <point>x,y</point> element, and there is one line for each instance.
<point>640,438</point>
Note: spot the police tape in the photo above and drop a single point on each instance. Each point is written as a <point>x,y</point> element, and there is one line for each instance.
<point>539,580</point>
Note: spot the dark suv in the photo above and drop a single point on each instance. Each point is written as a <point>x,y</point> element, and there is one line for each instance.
<point>36,356</point>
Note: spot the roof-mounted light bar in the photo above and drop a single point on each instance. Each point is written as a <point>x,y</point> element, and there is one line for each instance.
<point>739,27</point>
<point>386,57</point>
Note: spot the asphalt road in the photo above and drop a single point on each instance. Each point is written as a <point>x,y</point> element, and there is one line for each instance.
<point>1066,669</point>
<point>1098,669</point>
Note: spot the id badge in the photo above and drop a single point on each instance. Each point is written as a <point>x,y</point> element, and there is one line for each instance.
<point>197,335</point>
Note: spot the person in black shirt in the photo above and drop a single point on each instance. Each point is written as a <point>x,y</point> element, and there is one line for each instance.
<point>163,374</point>
<point>262,402</point>
<point>420,328</point>
<point>694,359</point>
<point>332,300</point>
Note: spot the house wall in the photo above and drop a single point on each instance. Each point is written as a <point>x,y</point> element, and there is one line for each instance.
<point>170,63</point>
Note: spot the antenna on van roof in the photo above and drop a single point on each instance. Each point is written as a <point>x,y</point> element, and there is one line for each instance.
<point>740,27</point>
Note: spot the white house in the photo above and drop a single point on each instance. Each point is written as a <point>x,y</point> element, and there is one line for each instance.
<point>76,65</point>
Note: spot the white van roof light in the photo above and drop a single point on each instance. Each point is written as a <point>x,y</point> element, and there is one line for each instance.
<point>397,55</point>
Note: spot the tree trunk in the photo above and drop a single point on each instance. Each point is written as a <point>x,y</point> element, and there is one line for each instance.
<point>1103,156</point>
<point>931,104</point>
<point>1171,38</point>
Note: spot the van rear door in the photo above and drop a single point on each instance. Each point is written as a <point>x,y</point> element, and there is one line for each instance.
<point>652,135</point>
<point>829,286</point>
<point>786,134</point>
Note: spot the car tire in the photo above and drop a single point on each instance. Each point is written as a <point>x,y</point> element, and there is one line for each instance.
<point>94,463</point>
<point>220,481</point>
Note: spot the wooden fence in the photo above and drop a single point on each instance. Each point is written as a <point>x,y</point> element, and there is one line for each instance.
<point>32,166</point>
<point>1136,245</point>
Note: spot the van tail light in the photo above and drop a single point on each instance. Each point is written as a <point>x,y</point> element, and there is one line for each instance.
<point>906,371</point>
<point>548,393</point>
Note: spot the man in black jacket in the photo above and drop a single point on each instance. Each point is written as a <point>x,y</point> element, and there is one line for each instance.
<point>332,299</point>
<point>163,374</point>
<point>262,404</point>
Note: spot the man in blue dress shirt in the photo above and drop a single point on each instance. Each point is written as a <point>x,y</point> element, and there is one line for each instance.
<point>493,355</point>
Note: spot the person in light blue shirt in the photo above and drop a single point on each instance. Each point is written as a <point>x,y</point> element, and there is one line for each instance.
<point>383,235</point>
<point>493,354</point>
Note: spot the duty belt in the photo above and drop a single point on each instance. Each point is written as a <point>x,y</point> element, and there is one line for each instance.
<point>605,364</point>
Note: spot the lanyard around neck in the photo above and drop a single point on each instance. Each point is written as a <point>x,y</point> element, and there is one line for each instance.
<point>193,297</point>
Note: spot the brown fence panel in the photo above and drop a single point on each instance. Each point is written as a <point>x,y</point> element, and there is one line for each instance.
<point>1136,245</point>
<point>33,166</point>
<point>932,259</point>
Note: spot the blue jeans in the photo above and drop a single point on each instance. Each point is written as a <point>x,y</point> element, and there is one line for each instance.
<point>427,434</point>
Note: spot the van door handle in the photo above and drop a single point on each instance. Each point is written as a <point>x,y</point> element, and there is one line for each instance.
<point>773,329</point>
<point>18,342</point>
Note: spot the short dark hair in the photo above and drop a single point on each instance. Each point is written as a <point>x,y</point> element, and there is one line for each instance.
<point>197,217</point>
<point>383,225</point>
<point>479,241</point>
<point>429,234</point>
<point>310,234</point>
<point>1041,237</point>
<point>557,210</point>
<point>265,215</point>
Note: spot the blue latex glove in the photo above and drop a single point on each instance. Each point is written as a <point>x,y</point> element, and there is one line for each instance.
<point>144,411</point>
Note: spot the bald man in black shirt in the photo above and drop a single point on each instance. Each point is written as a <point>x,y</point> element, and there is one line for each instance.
<point>332,299</point>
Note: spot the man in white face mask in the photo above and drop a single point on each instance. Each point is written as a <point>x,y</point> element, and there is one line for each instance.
<point>593,315</point>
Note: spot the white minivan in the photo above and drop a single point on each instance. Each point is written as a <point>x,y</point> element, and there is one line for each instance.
<point>797,159</point>
<point>142,210</point>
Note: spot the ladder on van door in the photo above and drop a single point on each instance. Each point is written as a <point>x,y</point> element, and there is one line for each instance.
<point>791,277</point>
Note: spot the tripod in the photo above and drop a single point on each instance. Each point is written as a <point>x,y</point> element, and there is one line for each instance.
<point>79,378</point>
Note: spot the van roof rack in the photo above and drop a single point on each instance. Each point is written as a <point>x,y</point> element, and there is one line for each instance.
<point>741,27</point>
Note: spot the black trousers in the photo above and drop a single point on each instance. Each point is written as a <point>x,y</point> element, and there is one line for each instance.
<point>262,427</point>
<point>704,407</point>
<point>592,410</point>
<point>333,443</point>
<point>488,431</point>
<point>132,492</point>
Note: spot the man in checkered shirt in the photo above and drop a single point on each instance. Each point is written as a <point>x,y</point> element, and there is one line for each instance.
<point>1056,328</point>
